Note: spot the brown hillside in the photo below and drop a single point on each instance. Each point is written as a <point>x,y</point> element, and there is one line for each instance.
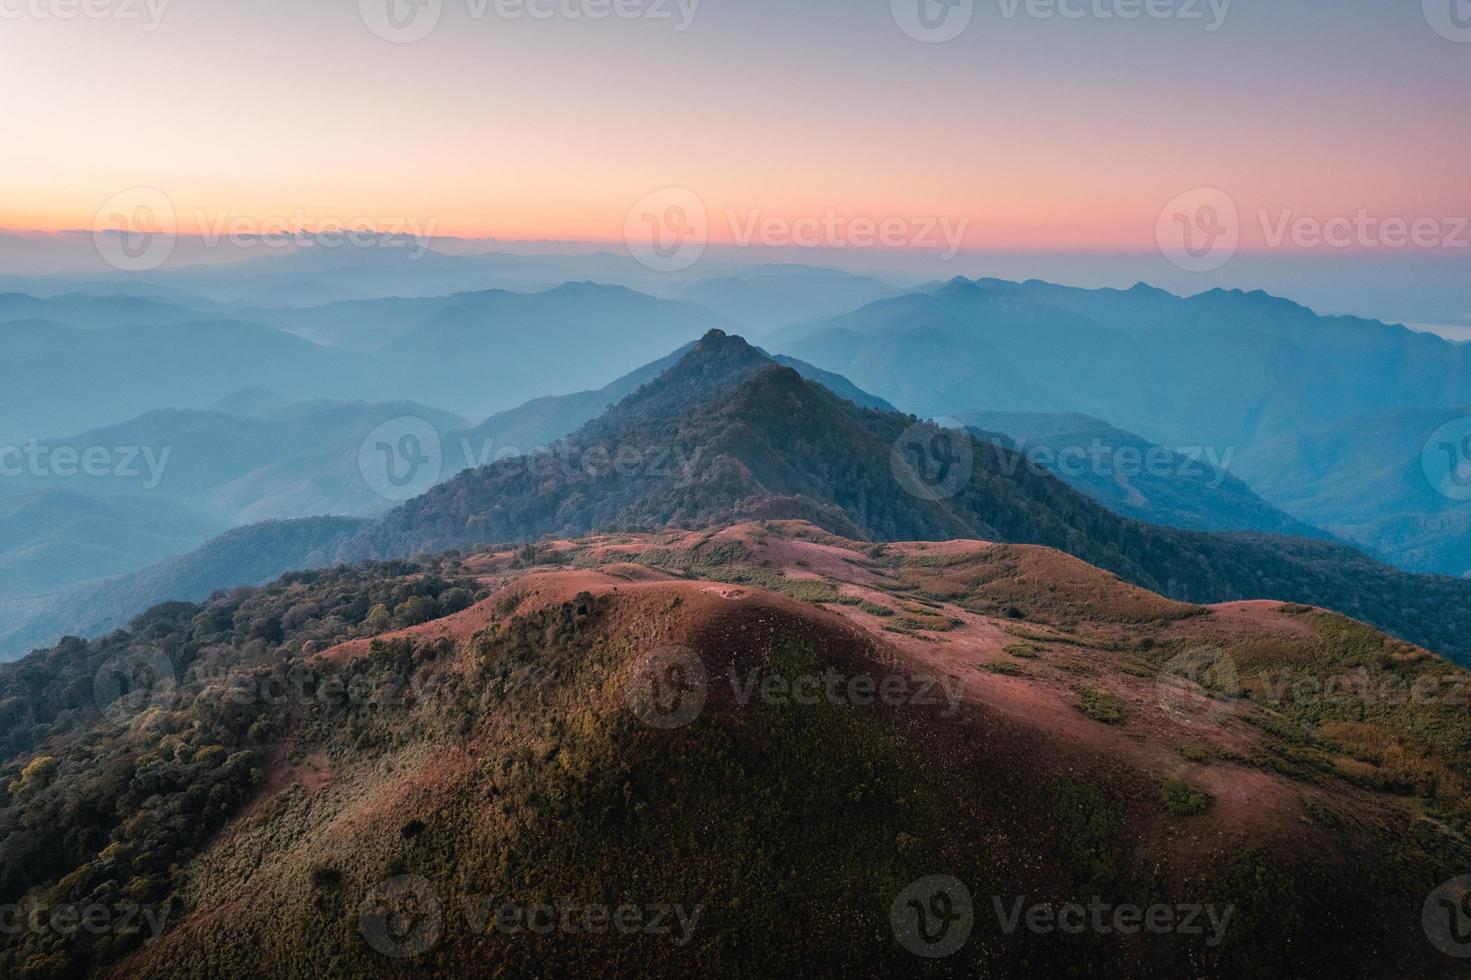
<point>1041,746</point>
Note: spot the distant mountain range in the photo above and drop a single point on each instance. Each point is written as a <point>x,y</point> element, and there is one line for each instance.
<point>472,354</point>
<point>759,299</point>
<point>83,361</point>
<point>1244,375</point>
<point>1224,368</point>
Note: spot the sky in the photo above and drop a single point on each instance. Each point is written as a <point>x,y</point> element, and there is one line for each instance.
<point>1023,132</point>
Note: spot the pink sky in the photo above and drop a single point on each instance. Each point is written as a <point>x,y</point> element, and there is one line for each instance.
<point>1038,134</point>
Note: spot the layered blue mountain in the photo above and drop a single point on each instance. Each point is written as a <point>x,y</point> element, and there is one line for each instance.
<point>1246,376</point>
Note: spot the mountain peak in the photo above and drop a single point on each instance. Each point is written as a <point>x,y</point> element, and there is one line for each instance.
<point>722,352</point>
<point>715,364</point>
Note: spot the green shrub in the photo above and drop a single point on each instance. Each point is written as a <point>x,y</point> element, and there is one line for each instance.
<point>1180,799</point>
<point>1100,705</point>
<point>810,590</point>
<point>1196,752</point>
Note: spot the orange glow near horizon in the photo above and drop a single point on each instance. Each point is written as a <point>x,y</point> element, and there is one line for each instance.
<point>535,132</point>
<point>732,227</point>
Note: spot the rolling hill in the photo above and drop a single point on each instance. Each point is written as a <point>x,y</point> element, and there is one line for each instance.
<point>352,772</point>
